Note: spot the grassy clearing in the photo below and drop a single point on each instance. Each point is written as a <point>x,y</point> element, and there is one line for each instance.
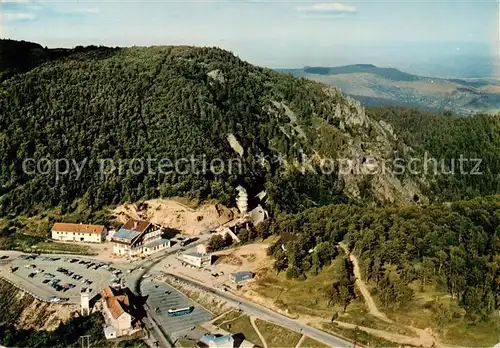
<point>51,247</point>
<point>422,310</point>
<point>438,311</point>
<point>277,336</point>
<point>308,297</point>
<point>357,313</point>
<point>485,334</point>
<point>186,343</point>
<point>242,325</point>
<point>232,315</point>
<point>308,342</point>
<point>429,309</point>
<point>298,296</point>
<point>358,336</point>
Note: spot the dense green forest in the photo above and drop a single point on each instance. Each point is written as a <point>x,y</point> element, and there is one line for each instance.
<point>160,103</point>
<point>447,137</point>
<point>92,104</point>
<point>454,247</point>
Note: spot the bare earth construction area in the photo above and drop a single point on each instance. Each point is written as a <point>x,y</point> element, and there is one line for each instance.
<point>176,215</point>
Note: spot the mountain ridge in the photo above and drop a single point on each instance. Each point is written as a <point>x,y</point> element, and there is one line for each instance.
<point>174,102</point>
<point>386,86</point>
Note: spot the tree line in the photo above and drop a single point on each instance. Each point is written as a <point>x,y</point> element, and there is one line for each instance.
<point>453,247</point>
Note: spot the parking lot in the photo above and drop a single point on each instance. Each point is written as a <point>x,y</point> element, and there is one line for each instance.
<point>51,277</point>
<point>162,297</point>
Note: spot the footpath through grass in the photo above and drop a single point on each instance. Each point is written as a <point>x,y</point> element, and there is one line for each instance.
<point>240,324</point>
<point>297,297</point>
<point>357,336</point>
<point>277,336</point>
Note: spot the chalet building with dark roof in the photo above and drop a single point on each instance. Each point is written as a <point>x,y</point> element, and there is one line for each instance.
<point>138,237</point>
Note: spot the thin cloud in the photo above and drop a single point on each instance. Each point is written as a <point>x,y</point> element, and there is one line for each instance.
<point>19,16</point>
<point>92,10</point>
<point>20,10</point>
<point>326,10</point>
<point>16,1</point>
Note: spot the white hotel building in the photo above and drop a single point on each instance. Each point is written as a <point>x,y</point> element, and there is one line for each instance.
<point>66,232</point>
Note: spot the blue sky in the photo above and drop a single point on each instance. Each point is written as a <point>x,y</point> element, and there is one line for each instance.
<point>270,33</point>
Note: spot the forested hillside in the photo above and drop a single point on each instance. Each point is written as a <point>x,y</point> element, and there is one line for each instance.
<point>142,103</point>
<point>451,248</point>
<point>438,230</point>
<point>94,103</point>
<point>447,138</point>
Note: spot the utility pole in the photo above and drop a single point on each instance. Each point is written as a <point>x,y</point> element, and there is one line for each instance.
<point>85,339</point>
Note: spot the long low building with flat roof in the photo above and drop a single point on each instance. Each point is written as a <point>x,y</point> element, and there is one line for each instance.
<point>67,232</point>
<point>196,259</point>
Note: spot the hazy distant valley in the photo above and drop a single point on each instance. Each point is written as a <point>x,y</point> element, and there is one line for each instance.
<point>375,86</point>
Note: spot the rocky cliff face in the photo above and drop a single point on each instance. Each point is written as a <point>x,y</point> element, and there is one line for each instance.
<point>371,149</point>
<point>364,150</point>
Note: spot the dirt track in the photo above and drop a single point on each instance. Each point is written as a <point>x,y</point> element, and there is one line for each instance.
<point>425,338</point>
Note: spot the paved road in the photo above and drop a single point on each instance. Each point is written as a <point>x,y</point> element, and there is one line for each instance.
<point>147,266</point>
<point>271,316</point>
<point>134,279</point>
